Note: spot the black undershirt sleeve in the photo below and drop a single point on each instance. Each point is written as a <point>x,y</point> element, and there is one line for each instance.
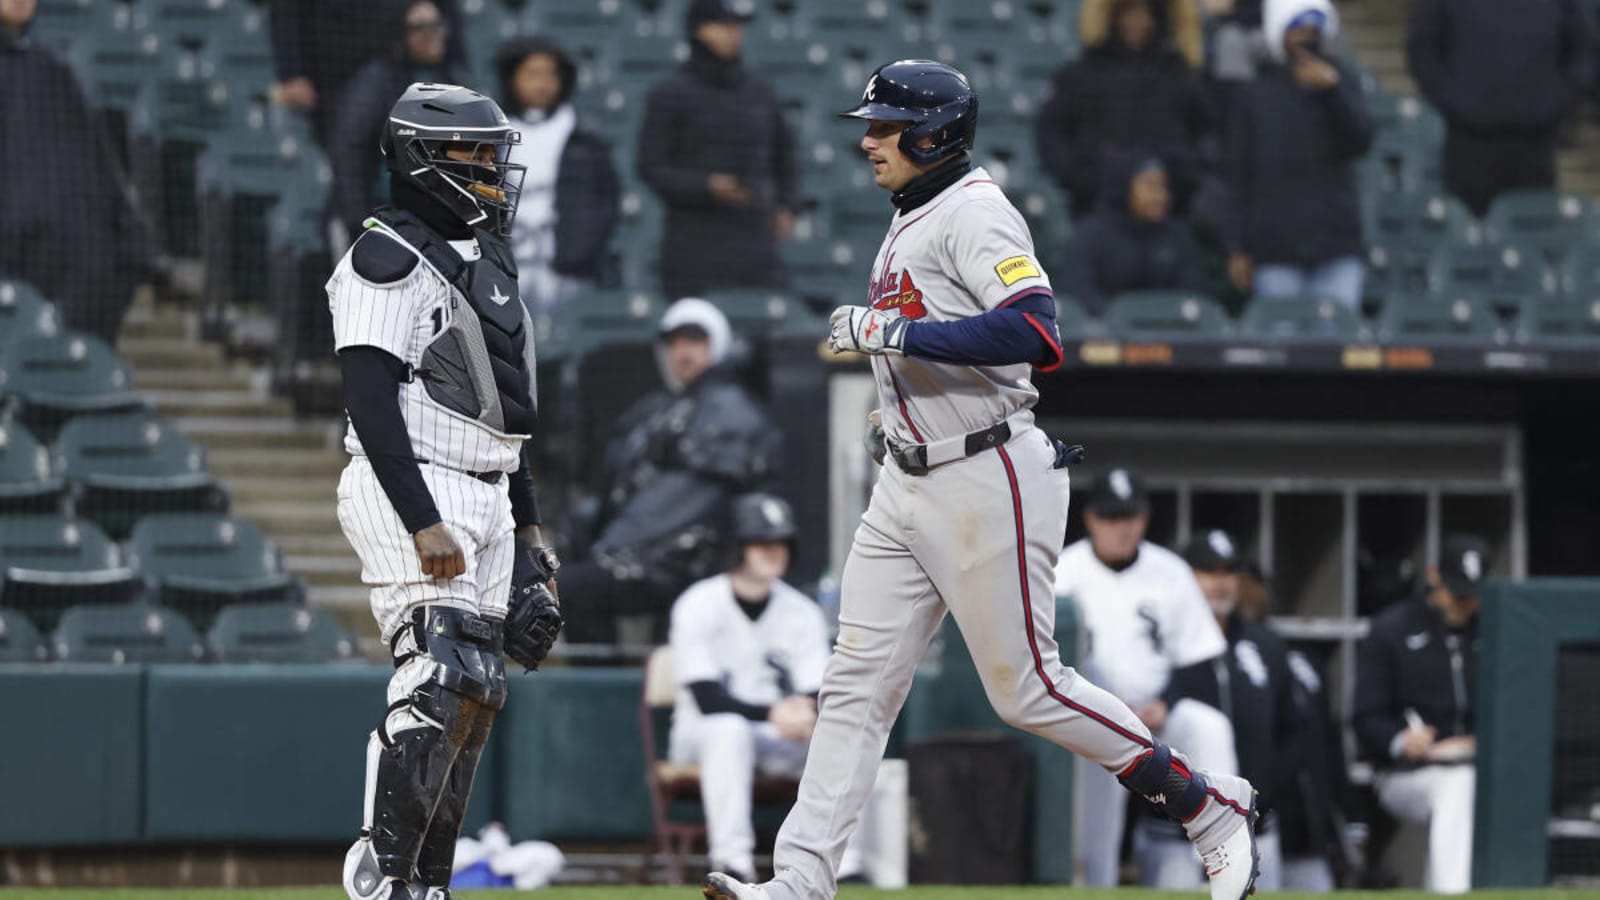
<point>524,503</point>
<point>713,698</point>
<point>371,396</point>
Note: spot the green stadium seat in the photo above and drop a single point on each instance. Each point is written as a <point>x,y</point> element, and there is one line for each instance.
<point>581,24</point>
<point>979,25</point>
<point>125,635</point>
<point>751,310</point>
<point>122,467</point>
<point>1167,314</point>
<point>858,214</point>
<point>1502,274</point>
<point>198,563</point>
<point>191,22</point>
<point>1302,317</point>
<point>115,56</point>
<point>819,274</point>
<point>1073,321</point>
<point>1560,318</point>
<point>642,60</point>
<point>1410,227</point>
<point>19,640</point>
<point>1439,317</point>
<point>27,484</point>
<point>53,377</point>
<point>278,633</point>
<point>25,311</point>
<point>1551,223</point>
<point>59,23</point>
<point>242,52</point>
<point>51,562</point>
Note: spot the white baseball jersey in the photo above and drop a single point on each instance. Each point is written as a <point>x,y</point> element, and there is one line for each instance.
<point>403,318</point>
<point>963,253</point>
<point>1142,622</point>
<point>759,662</point>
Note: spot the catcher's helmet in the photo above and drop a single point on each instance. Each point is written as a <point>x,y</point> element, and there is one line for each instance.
<point>427,120</point>
<point>762,517</point>
<point>935,98</point>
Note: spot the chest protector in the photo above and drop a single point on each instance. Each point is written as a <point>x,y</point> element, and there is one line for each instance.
<point>479,365</point>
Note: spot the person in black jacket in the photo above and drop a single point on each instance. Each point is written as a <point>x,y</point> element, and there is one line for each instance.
<point>68,223</point>
<point>570,195</point>
<point>1135,87</point>
<point>682,454</point>
<point>1294,136</point>
<point>1131,242</point>
<point>715,147</point>
<point>1503,75</point>
<point>1252,685</point>
<point>419,53</point>
<point>318,45</point>
<point>1413,710</point>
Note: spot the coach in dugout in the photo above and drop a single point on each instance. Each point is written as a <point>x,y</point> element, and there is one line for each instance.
<point>1152,640</point>
<point>1413,711</point>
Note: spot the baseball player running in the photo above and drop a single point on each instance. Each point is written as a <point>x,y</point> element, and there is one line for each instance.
<point>969,515</point>
<point>436,354</point>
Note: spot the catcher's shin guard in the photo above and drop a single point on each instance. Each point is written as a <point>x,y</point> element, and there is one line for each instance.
<point>448,676</point>
<point>437,856</point>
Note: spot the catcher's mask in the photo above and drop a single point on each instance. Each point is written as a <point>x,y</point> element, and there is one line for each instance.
<point>431,120</point>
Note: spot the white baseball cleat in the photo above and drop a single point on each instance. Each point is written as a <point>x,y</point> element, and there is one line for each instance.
<point>1232,866</point>
<point>718,886</point>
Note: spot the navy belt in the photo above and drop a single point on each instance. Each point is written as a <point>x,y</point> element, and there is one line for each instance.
<point>913,458</point>
<point>485,477</point>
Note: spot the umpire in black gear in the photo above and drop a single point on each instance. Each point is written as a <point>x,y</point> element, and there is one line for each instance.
<point>1252,686</point>
<point>1416,672</point>
<point>715,148</point>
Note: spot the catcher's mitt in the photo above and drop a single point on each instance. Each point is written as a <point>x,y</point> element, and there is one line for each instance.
<point>533,618</point>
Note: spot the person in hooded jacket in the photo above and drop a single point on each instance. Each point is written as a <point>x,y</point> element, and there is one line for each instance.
<point>714,146</point>
<point>686,451</point>
<point>1295,134</point>
<point>1131,243</point>
<point>570,195</point>
<point>1504,76</point>
<point>419,53</point>
<point>1136,86</point>
<point>68,223</point>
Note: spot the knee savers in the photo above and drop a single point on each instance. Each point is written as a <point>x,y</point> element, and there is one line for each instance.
<point>1166,782</point>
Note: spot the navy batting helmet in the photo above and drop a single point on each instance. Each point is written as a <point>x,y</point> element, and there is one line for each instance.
<point>762,517</point>
<point>430,119</point>
<point>934,98</point>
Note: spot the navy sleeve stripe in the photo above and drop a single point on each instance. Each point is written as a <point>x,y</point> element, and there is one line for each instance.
<point>1025,292</point>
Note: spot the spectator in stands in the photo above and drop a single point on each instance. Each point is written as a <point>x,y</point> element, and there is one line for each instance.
<point>318,45</point>
<point>715,147</point>
<point>1136,86</point>
<point>1152,643</point>
<point>1252,685</point>
<point>1503,75</point>
<point>748,652</point>
<point>1131,242</point>
<point>569,203</point>
<point>418,54</point>
<point>1413,709</point>
<point>68,223</point>
<point>1294,136</point>
<point>682,453</point>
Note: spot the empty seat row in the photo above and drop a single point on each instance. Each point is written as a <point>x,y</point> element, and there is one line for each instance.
<point>193,562</point>
<point>1422,318</point>
<point>144,633</point>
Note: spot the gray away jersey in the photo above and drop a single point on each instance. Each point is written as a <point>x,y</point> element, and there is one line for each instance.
<point>963,253</point>
<point>403,318</point>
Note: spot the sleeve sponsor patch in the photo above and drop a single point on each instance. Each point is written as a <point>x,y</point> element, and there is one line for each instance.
<point>1015,269</point>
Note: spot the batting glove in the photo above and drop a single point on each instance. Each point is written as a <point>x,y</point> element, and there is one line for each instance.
<point>866,330</point>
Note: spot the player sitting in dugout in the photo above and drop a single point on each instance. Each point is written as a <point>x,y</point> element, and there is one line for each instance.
<point>748,654</point>
<point>1152,642</point>
<point>688,449</point>
<point>1413,708</point>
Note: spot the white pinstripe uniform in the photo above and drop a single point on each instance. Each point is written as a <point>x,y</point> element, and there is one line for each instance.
<point>402,318</point>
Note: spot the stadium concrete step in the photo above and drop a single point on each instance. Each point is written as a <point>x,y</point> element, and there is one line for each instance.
<point>270,431</point>
<point>217,402</point>
<point>251,488</point>
<point>231,378</point>
<point>285,463</point>
<point>168,351</point>
<point>150,320</point>
<point>294,517</point>
<point>331,569</point>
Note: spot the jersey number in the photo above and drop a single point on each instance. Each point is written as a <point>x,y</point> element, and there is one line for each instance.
<point>438,319</point>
